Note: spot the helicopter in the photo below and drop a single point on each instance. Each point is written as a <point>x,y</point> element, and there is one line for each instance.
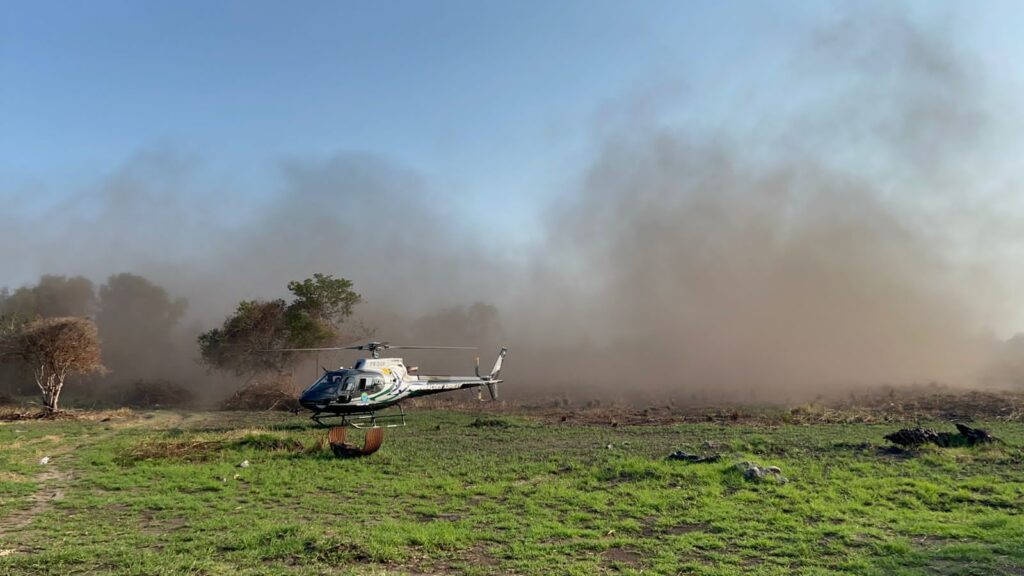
<point>356,394</point>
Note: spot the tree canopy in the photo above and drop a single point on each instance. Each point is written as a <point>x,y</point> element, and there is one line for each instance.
<point>54,296</point>
<point>314,318</point>
<point>138,322</point>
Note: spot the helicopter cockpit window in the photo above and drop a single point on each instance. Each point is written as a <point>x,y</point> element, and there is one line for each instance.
<point>350,383</point>
<point>370,384</point>
<point>328,384</point>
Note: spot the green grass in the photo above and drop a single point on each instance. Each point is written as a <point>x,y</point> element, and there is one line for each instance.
<point>454,494</point>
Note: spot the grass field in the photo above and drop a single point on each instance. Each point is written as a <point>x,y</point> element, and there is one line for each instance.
<point>162,493</point>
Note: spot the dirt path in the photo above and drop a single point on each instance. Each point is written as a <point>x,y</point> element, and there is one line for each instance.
<point>51,481</point>
<point>54,477</point>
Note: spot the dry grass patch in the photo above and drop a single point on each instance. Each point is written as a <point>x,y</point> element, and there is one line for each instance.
<point>20,413</point>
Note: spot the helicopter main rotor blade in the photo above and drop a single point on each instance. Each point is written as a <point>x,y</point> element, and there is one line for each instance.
<point>389,346</point>
<point>372,346</point>
<point>303,349</point>
<point>434,347</point>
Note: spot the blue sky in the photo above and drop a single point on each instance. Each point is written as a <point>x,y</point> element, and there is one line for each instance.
<point>474,93</point>
<point>489,99</point>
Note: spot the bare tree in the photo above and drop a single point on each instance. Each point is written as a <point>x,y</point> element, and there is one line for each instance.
<point>55,348</point>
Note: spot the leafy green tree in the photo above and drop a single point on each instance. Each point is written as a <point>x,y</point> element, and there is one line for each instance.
<point>314,318</point>
<point>242,342</point>
<point>324,298</point>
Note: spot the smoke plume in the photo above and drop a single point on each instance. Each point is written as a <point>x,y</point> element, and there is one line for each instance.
<point>833,245</point>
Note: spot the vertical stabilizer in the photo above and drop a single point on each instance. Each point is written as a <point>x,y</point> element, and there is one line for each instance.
<point>497,364</point>
<point>492,379</point>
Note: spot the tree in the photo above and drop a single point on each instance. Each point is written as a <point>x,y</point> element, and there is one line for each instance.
<point>52,296</point>
<point>58,296</point>
<point>138,323</point>
<point>241,343</point>
<point>55,348</point>
<point>324,299</point>
<point>315,317</point>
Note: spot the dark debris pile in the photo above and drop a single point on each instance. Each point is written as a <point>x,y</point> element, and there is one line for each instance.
<point>965,436</point>
<point>693,458</point>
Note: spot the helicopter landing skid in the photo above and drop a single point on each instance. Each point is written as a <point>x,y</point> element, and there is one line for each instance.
<point>365,421</point>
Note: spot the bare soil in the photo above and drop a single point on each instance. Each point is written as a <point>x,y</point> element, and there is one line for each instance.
<point>878,406</point>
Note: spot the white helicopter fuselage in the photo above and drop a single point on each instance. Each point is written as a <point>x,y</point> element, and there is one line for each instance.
<point>376,383</point>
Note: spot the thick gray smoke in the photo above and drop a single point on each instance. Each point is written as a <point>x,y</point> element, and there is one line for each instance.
<point>708,274</point>
<point>825,248</point>
<point>809,258</point>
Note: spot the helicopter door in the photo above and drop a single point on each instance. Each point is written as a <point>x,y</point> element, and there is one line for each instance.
<point>346,388</point>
